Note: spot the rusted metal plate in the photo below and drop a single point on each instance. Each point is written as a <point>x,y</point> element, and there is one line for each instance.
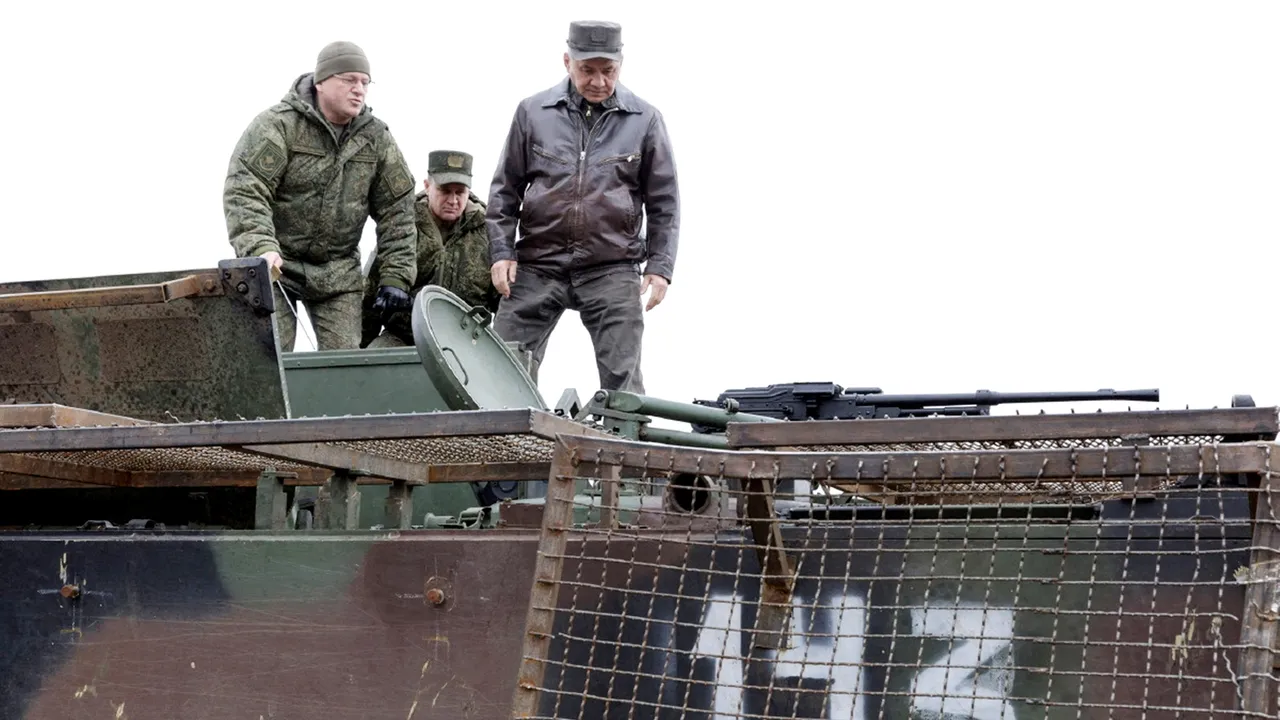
<point>214,627</point>
<point>297,626</point>
<point>155,346</point>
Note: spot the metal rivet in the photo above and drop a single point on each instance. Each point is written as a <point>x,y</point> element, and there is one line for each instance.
<point>435,596</point>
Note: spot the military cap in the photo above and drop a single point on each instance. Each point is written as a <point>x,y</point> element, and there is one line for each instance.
<point>449,166</point>
<point>595,39</point>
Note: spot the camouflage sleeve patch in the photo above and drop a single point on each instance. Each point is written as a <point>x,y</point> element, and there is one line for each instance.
<point>268,160</point>
<point>398,180</point>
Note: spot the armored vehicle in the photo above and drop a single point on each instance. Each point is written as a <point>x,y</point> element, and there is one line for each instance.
<point>195,524</point>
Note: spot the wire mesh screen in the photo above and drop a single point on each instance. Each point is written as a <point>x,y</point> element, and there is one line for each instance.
<point>748,587</point>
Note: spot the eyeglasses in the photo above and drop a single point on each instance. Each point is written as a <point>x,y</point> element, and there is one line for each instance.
<point>353,81</point>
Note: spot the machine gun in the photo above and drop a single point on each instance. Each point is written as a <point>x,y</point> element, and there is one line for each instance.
<point>829,401</point>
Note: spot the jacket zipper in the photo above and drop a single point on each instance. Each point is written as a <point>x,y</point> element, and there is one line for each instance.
<point>582,167</point>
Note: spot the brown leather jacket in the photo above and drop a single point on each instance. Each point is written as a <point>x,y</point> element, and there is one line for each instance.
<point>592,196</point>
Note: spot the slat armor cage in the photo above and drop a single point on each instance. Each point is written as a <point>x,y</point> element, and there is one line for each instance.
<point>1047,580</point>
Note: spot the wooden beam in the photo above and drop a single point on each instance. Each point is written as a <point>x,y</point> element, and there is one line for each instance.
<point>557,521</point>
<point>549,426</point>
<point>64,416</point>
<point>774,616</point>
<point>488,472</point>
<point>202,285</point>
<point>1259,423</point>
<point>342,459</point>
<point>35,467</point>
<point>1260,617</point>
<point>460,423</point>
<point>53,415</point>
<point>309,477</point>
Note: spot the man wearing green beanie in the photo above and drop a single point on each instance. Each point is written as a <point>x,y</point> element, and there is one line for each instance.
<point>305,177</point>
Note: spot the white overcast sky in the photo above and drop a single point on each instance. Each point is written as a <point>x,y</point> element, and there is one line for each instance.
<point>920,196</point>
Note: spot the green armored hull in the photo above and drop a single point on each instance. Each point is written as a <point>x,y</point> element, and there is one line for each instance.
<point>198,526</point>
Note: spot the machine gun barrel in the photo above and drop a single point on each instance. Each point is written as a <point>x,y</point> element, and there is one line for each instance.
<point>989,397</point>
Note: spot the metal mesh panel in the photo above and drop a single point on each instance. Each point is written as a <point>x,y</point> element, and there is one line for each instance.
<point>457,450</point>
<point>195,460</point>
<point>986,607</point>
<point>433,451</point>
<point>1048,491</point>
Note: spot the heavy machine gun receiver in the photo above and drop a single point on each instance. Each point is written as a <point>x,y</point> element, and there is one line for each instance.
<point>829,401</point>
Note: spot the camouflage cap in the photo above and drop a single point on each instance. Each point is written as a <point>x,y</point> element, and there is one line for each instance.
<point>449,166</point>
<point>595,39</point>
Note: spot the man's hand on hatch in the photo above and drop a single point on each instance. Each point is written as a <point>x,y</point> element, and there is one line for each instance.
<point>503,274</point>
<point>659,284</point>
<point>391,299</point>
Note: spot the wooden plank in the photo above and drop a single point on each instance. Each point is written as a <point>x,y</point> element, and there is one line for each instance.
<point>310,477</point>
<point>956,467</point>
<point>202,284</point>
<point>67,472</point>
<point>1260,423</point>
<point>549,426</point>
<point>342,459</point>
<point>64,416</point>
<point>11,481</point>
<point>53,415</point>
<point>610,490</point>
<point>399,506</point>
<point>779,575</point>
<point>1260,624</point>
<point>233,478</point>
<point>27,416</point>
<point>272,432</point>
<point>557,519</point>
<point>489,472</point>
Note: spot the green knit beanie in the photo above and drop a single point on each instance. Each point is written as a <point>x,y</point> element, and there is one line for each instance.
<point>340,57</point>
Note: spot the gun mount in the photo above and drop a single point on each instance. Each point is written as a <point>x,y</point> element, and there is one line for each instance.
<point>829,401</point>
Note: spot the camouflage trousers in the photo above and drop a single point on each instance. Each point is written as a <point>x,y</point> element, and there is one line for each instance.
<point>335,320</point>
<point>386,340</point>
<point>610,308</point>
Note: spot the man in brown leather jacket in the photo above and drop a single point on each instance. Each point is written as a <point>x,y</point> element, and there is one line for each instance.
<point>587,179</point>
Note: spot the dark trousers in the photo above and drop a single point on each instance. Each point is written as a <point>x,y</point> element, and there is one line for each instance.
<point>611,310</point>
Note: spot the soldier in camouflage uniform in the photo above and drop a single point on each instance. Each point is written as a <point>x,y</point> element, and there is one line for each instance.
<point>453,249</point>
<point>588,179</point>
<point>305,177</point>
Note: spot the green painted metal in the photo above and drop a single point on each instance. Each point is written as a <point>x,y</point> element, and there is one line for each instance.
<point>682,412</point>
<point>205,357</point>
<point>375,381</point>
<point>471,366</point>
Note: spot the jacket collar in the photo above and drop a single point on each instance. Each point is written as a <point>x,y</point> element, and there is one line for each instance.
<point>564,93</point>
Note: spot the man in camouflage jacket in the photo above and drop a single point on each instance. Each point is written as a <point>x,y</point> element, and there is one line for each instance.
<point>453,249</point>
<point>587,179</point>
<point>305,177</point>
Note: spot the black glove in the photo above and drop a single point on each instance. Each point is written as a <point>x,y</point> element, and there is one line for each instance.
<point>391,299</point>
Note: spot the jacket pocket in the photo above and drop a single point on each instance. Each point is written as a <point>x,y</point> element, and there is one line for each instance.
<point>548,155</point>
<point>306,167</point>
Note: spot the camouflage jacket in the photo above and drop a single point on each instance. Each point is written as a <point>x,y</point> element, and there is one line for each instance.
<point>296,187</point>
<point>578,196</point>
<point>457,261</point>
